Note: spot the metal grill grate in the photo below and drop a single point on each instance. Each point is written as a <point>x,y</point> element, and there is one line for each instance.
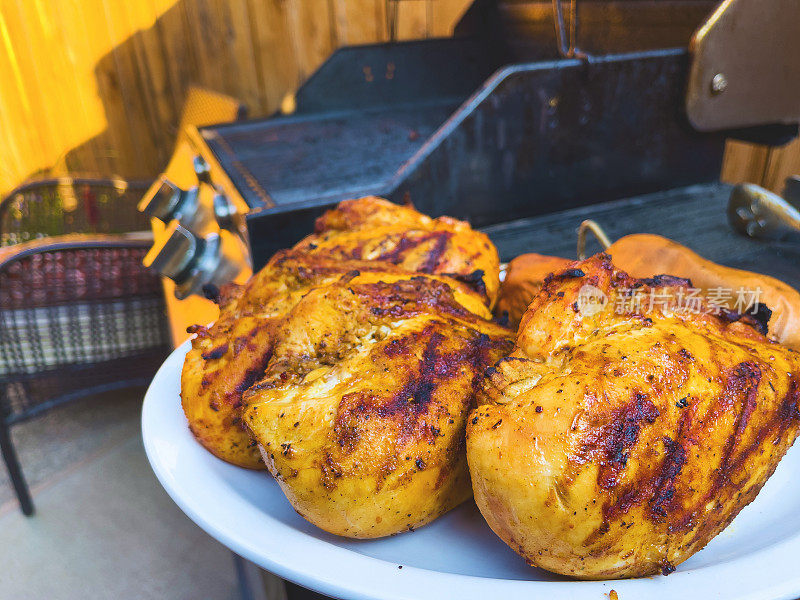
<point>326,159</point>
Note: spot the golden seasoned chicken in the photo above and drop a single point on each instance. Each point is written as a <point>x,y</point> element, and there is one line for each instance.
<point>645,255</point>
<point>231,355</point>
<point>362,412</point>
<point>525,276</point>
<point>619,438</point>
<point>375,229</point>
<point>369,234</point>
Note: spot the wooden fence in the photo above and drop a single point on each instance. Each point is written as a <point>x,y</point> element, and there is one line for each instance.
<point>96,86</point>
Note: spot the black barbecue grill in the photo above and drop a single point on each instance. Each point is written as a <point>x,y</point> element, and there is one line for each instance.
<point>533,109</point>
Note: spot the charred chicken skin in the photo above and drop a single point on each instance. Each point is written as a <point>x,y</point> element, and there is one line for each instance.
<point>617,444</point>
<point>231,355</point>
<point>361,415</point>
<point>375,229</point>
<point>365,235</point>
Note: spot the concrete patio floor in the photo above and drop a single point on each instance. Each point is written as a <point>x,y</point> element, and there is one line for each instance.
<point>104,527</point>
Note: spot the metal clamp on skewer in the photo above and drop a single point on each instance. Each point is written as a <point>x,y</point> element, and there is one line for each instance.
<point>594,227</point>
<point>758,213</point>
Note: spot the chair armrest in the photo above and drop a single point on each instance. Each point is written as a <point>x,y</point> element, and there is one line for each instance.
<point>72,241</point>
<point>76,268</point>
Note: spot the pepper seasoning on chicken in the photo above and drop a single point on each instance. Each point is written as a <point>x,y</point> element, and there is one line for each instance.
<point>372,228</point>
<point>362,413</point>
<point>617,443</point>
<point>368,234</point>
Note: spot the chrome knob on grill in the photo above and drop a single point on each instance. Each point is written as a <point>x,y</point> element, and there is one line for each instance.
<point>203,242</point>
<point>175,254</point>
<point>201,169</point>
<point>170,202</point>
<point>194,262</point>
<point>225,212</point>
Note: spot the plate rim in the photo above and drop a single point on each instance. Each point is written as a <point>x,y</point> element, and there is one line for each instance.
<point>368,577</point>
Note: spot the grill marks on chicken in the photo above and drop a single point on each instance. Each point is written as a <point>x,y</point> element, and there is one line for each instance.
<point>224,361</point>
<point>366,236</point>
<point>370,385</point>
<point>376,229</point>
<point>627,441</point>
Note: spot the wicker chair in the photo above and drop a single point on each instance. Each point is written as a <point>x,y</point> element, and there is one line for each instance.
<point>79,315</point>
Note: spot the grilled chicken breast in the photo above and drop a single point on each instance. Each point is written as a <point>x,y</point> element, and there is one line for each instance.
<point>232,354</point>
<point>366,235</point>
<point>617,445</point>
<point>375,229</point>
<point>361,414</point>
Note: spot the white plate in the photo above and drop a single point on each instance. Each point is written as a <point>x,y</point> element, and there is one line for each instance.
<point>457,556</point>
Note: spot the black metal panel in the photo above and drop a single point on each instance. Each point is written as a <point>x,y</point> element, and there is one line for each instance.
<point>397,74</point>
<point>278,230</point>
<point>542,137</point>
<point>536,138</point>
<point>694,216</point>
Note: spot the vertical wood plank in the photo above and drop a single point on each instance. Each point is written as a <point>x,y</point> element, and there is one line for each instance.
<point>359,21</point>
<point>116,142</point>
<point>744,162</point>
<point>412,19</point>
<point>35,114</point>
<point>445,14</point>
<point>782,163</point>
<point>276,67</point>
<point>69,28</point>
<point>243,82</point>
<point>312,34</point>
<point>128,92</point>
<point>22,138</point>
<point>149,105</point>
<point>169,33</point>
<point>156,76</point>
